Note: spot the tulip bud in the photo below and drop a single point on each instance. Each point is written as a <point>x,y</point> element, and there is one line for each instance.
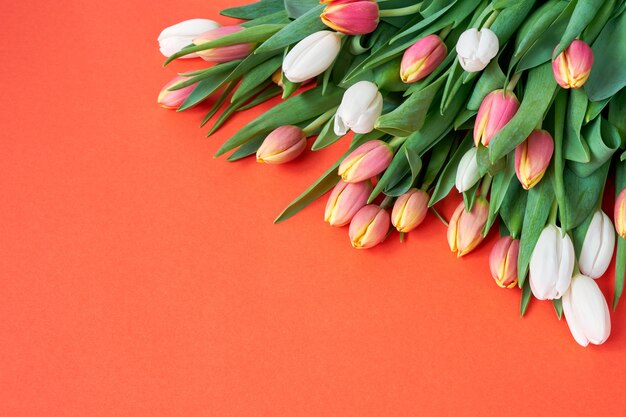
<point>351,18</point>
<point>465,227</point>
<point>223,53</point>
<point>503,262</point>
<point>345,200</point>
<point>497,108</point>
<point>422,58</point>
<point>572,67</point>
<point>366,161</point>
<point>173,99</point>
<point>409,210</point>
<point>597,251</point>
<point>174,38</point>
<point>586,311</point>
<point>551,264</point>
<point>369,227</point>
<point>532,158</point>
<point>360,106</point>
<point>476,49</point>
<point>284,144</point>
<point>619,214</point>
<point>312,56</point>
<point>467,173</point>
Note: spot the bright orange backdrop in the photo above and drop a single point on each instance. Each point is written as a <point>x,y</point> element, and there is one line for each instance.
<point>142,277</point>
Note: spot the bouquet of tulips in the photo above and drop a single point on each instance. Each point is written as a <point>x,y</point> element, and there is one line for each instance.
<point>519,105</point>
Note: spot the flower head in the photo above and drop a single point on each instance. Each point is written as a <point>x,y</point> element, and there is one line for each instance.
<point>284,144</point>
<point>352,18</point>
<point>573,66</point>
<point>409,210</point>
<point>422,58</point>
<point>532,158</point>
<point>465,227</point>
<point>496,110</point>
<point>222,53</point>
<point>476,48</point>
<point>369,227</point>
<point>503,262</point>
<point>366,161</point>
<point>360,106</point>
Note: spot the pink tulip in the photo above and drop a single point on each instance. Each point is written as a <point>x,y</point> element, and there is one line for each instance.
<point>369,227</point>
<point>223,53</point>
<point>496,110</point>
<point>572,67</point>
<point>284,144</point>
<point>345,200</point>
<point>351,18</point>
<point>366,161</point>
<point>174,98</point>
<point>409,210</point>
<point>532,158</point>
<point>422,58</point>
<point>620,214</point>
<point>464,229</point>
<point>503,262</point>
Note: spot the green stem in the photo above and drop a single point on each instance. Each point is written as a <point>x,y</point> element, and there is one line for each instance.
<point>317,123</point>
<point>445,32</point>
<point>402,11</point>
<point>401,237</point>
<point>387,202</point>
<point>397,141</point>
<point>484,188</point>
<point>440,217</point>
<point>513,81</point>
<point>553,212</point>
<point>491,19</point>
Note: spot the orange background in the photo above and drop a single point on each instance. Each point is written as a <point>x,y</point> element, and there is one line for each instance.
<point>142,277</point>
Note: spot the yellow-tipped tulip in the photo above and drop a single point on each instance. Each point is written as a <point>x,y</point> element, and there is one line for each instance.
<point>352,18</point>
<point>409,210</point>
<point>422,58</point>
<point>345,200</point>
<point>532,158</point>
<point>465,227</point>
<point>172,99</point>
<point>620,214</point>
<point>366,161</point>
<point>503,262</point>
<point>572,67</point>
<point>369,227</point>
<point>284,144</point>
<point>223,53</point>
<point>496,110</point>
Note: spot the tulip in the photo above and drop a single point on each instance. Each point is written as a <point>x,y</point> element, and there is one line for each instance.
<point>467,173</point>
<point>369,227</point>
<point>284,144</point>
<point>360,106</point>
<point>532,158</point>
<point>351,18</point>
<point>422,58</point>
<point>586,311</point>
<point>619,214</point>
<point>312,56</point>
<point>503,262</point>
<point>465,227</point>
<point>551,264</point>
<point>497,108</point>
<point>409,210</point>
<point>222,53</point>
<point>572,67</point>
<point>597,251</point>
<point>174,98</point>
<point>476,49</point>
<point>366,161</point>
<point>345,200</point>
<point>174,38</point>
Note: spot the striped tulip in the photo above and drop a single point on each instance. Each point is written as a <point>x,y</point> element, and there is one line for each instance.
<point>351,18</point>
<point>409,210</point>
<point>532,158</point>
<point>422,58</point>
<point>598,245</point>
<point>222,53</point>
<point>465,227</point>
<point>172,99</point>
<point>284,144</point>
<point>551,264</point>
<point>174,38</point>
<point>503,262</point>
<point>573,66</point>
<point>619,215</point>
<point>366,161</point>
<point>345,200</point>
<point>586,311</point>
<point>369,227</point>
<point>312,56</point>
<point>496,110</point>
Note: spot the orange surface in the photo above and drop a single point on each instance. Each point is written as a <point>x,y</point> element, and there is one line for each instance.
<point>142,277</point>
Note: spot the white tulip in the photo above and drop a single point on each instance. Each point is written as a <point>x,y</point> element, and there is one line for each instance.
<point>551,264</point>
<point>176,37</point>
<point>476,49</point>
<point>312,56</point>
<point>360,106</point>
<point>586,311</point>
<point>467,173</point>
<point>598,246</point>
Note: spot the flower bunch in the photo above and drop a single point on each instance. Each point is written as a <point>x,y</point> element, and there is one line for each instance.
<point>519,107</point>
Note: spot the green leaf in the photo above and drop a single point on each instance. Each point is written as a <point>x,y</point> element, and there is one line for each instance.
<point>299,108</point>
<point>274,18</point>
<point>492,78</point>
<point>295,31</point>
<point>607,75</point>
<point>247,149</point>
<point>499,187</point>
<point>595,108</point>
<point>513,208</point>
<point>558,307</point>
<point>448,176</point>
<point>540,200</point>
<point>526,295</point>
<point>617,109</point>
<point>254,10</point>
<point>327,136</point>
<point>603,139</point>
<point>297,8</point>
<point>540,88</point>
<point>581,195</point>
<point>595,26</point>
<point>438,157</point>
<point>218,103</point>
<point>583,14</point>
<point>574,147</point>
<point>415,165</point>
<point>265,95</point>
<point>469,196</point>
<point>208,86</point>
<point>257,76</point>
<point>578,234</point>
<point>510,18</point>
